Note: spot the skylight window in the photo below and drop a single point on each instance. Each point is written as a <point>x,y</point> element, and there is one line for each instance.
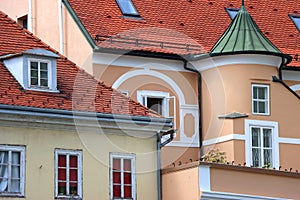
<point>232,12</point>
<point>127,8</point>
<point>296,20</point>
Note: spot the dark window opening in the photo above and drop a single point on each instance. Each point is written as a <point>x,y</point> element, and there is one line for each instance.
<point>127,8</point>
<point>23,21</point>
<point>155,104</point>
<point>232,12</point>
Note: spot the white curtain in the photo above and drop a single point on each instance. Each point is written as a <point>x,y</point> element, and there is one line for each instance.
<point>3,171</point>
<point>15,172</point>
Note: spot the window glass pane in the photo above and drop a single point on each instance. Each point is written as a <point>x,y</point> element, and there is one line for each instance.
<point>3,158</point>
<point>255,92</point>
<point>127,165</point>
<point>255,107</point>
<point>44,66</point>
<point>262,93</point>
<point>127,178</point>
<point>256,157</point>
<point>33,65</point>
<point>267,157</point>
<point>15,172</point>
<point>117,191</point>
<point>262,107</point>
<point>33,81</point>
<point>117,177</point>
<point>16,158</point>
<point>73,188</point>
<point>73,175</point>
<point>3,184</point>
<point>267,137</point>
<point>62,190</point>
<point>44,75</point>
<point>33,73</point>
<point>73,161</point>
<point>155,104</point>
<point>44,82</point>
<point>255,137</point>
<point>62,174</point>
<point>116,164</point>
<point>62,160</point>
<point>15,186</point>
<point>127,192</point>
<point>232,12</point>
<point>127,7</point>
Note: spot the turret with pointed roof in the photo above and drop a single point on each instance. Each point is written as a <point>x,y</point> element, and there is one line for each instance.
<point>243,36</point>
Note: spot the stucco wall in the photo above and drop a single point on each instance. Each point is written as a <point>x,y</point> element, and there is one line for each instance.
<point>40,146</point>
<point>255,183</point>
<point>180,185</point>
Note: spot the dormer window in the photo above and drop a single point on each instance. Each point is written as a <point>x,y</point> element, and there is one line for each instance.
<point>34,69</point>
<point>127,7</point>
<point>39,73</point>
<point>232,12</point>
<point>296,21</point>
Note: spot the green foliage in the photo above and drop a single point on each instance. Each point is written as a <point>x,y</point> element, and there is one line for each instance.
<point>215,156</point>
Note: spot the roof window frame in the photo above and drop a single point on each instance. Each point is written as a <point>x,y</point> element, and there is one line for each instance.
<point>297,25</point>
<point>125,13</point>
<point>228,10</point>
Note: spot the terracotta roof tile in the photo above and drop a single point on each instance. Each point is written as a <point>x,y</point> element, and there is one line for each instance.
<point>199,22</point>
<point>78,90</point>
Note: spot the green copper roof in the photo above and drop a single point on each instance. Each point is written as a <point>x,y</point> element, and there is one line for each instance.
<point>244,36</point>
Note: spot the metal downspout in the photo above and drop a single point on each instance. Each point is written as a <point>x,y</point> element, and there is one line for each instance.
<point>61,28</point>
<point>199,102</point>
<point>159,182</point>
<point>30,16</point>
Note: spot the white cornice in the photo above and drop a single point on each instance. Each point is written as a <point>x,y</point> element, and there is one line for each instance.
<point>138,62</point>
<point>217,61</point>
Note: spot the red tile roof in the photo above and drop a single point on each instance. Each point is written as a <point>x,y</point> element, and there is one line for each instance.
<point>78,90</point>
<point>188,23</point>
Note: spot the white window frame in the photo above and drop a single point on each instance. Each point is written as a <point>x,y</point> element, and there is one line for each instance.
<point>20,149</point>
<point>123,156</point>
<point>267,101</point>
<point>142,94</point>
<point>49,87</point>
<point>68,153</point>
<point>275,143</point>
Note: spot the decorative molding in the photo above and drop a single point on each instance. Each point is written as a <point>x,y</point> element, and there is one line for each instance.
<point>233,115</point>
<point>138,62</point>
<point>213,62</point>
<point>295,87</point>
<point>207,195</point>
<point>156,74</point>
<point>289,140</point>
<point>291,75</point>
<point>225,138</point>
<point>184,144</point>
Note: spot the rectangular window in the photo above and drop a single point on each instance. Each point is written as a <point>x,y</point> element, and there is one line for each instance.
<point>127,8</point>
<point>260,99</point>
<point>262,155</point>
<point>39,73</point>
<point>12,170</point>
<point>68,173</point>
<point>122,171</point>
